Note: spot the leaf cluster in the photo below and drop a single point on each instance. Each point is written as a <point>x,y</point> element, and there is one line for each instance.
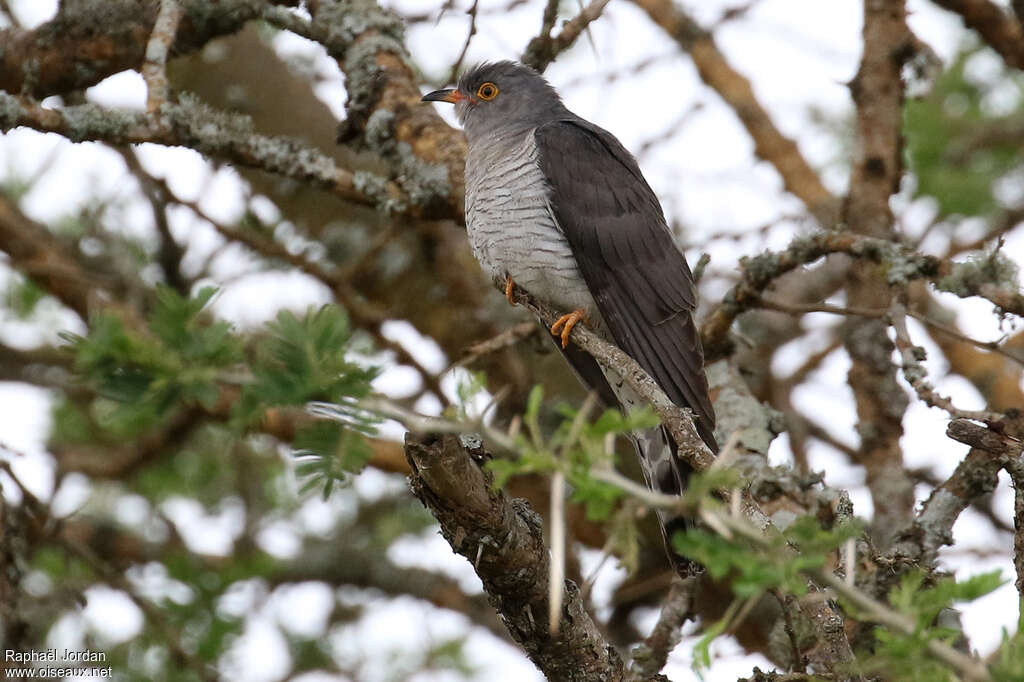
<point>959,146</point>
<point>929,603</point>
<point>755,568</point>
<point>576,447</point>
<point>182,358</point>
<point>144,372</point>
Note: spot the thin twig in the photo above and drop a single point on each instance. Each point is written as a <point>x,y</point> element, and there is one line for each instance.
<point>678,420</point>
<point>970,667</point>
<point>457,66</point>
<point>803,308</point>
<point>650,657</point>
<point>544,48</point>
<point>154,68</point>
<point>506,339</point>
<point>916,375</point>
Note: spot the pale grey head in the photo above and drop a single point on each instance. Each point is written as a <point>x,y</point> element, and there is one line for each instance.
<point>498,97</point>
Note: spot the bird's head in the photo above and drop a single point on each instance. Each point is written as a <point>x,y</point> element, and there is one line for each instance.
<point>496,96</point>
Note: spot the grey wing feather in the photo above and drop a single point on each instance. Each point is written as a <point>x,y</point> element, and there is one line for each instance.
<point>624,249</point>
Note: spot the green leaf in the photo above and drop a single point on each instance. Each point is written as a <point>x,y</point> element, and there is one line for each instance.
<point>22,296</point>
<point>1008,663</point>
<point>954,160</point>
<point>305,360</point>
<point>600,498</point>
<point>327,454</point>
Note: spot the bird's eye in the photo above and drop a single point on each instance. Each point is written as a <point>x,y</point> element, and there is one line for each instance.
<point>487,91</point>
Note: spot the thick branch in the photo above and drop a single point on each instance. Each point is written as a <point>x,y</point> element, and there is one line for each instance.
<point>503,539</point>
<point>877,91</point>
<point>769,142</point>
<point>384,112</point>
<point>987,439</point>
<point>189,123</point>
<point>86,42</point>
<point>758,273</point>
<point>1002,31</point>
<point>932,528</point>
<point>1006,449</point>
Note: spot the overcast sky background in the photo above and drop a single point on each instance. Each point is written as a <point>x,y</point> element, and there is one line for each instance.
<point>798,55</point>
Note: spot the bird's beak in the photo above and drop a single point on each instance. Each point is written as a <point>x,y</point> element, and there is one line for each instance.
<point>450,95</point>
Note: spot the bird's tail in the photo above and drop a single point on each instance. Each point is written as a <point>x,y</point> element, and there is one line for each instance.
<point>665,472</point>
<point>662,467</point>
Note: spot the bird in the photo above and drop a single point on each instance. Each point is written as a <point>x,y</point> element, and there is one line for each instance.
<point>558,206</point>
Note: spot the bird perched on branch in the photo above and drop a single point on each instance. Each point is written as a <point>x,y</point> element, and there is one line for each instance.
<point>557,206</point>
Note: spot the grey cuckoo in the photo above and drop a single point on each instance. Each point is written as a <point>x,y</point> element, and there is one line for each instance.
<point>556,205</point>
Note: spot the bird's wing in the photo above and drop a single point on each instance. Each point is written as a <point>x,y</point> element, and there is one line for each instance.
<point>625,252</point>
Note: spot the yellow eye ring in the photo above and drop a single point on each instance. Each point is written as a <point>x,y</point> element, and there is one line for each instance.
<point>487,91</point>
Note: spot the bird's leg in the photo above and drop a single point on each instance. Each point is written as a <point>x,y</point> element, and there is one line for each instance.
<point>565,323</point>
<point>510,290</point>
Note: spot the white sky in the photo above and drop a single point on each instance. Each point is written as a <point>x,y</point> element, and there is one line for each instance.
<point>797,53</point>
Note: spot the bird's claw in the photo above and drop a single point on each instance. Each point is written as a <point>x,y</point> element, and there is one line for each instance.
<point>510,290</point>
<point>563,325</point>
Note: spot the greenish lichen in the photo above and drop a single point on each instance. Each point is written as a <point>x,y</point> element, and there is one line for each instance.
<point>343,21</point>
<point>92,122</point>
<point>218,18</point>
<point>738,412</point>
<point>762,268</point>
<point>198,120</point>
<point>363,73</point>
<point>380,132</point>
<point>424,182</point>
<point>968,277</point>
<point>11,111</point>
<point>376,188</point>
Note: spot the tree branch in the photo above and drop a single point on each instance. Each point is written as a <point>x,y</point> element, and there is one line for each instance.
<point>757,274</point>
<point>650,657</point>
<point>1005,444</point>
<point>80,46</point>
<point>1002,31</point>
<point>503,540</point>
<point>37,253</point>
<point>190,123</point>
<point>545,48</point>
<point>877,91</point>
<point>384,111</point>
<point>677,420</point>
<point>915,373</point>
<point>733,87</point>
<point>154,68</point>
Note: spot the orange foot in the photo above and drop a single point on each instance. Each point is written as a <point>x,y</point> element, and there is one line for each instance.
<point>510,290</point>
<point>565,323</point>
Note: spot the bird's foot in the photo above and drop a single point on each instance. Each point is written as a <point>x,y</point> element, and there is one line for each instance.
<point>510,290</point>
<point>563,325</point>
